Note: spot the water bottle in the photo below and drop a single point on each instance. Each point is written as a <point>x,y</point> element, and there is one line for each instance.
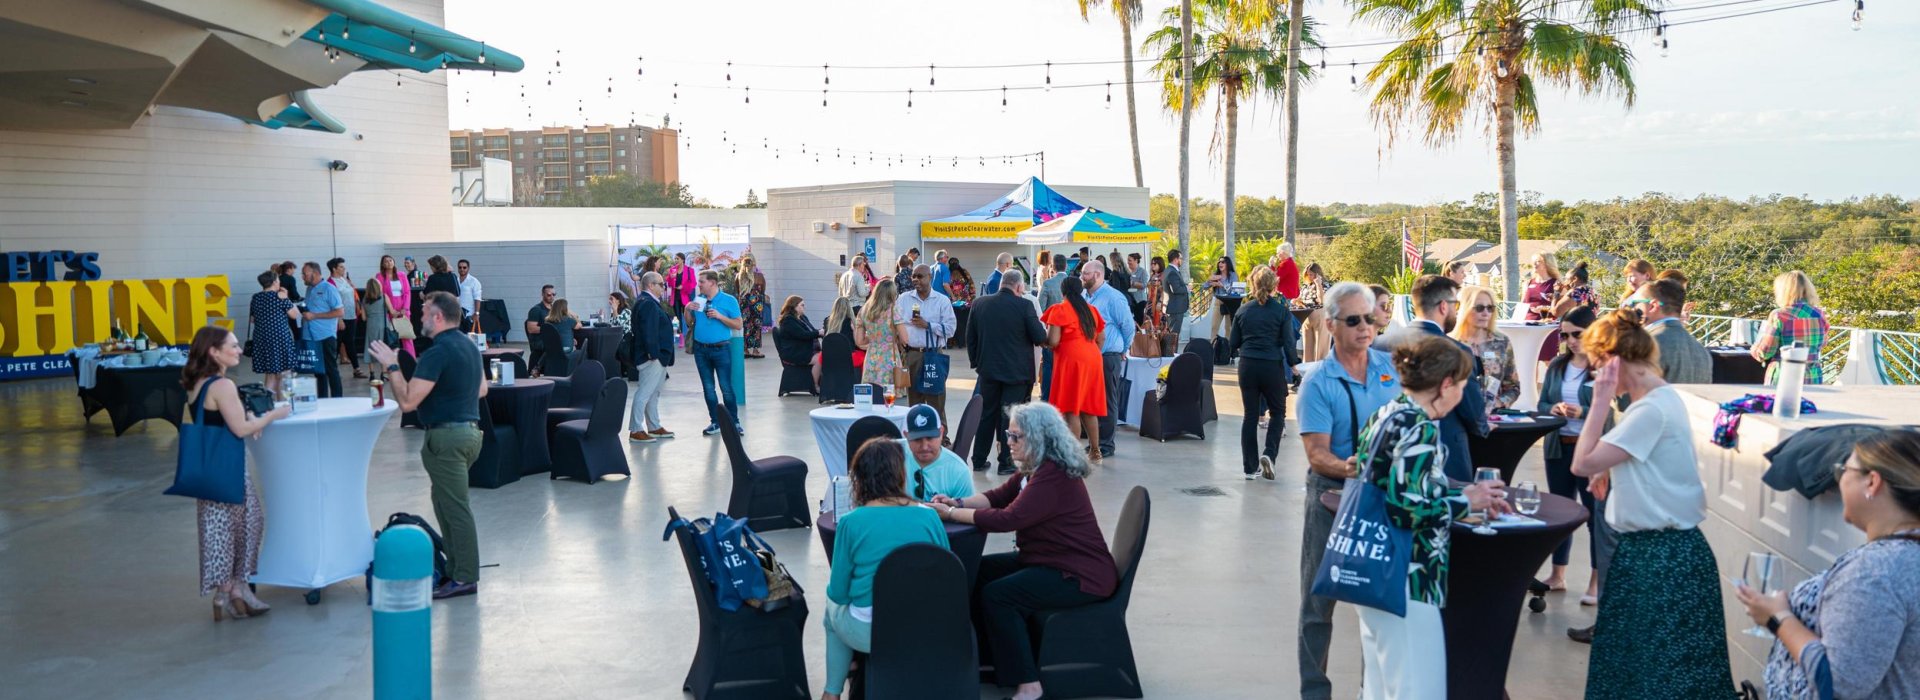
<point>1793,373</point>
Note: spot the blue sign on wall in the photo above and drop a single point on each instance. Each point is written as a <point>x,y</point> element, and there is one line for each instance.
<point>12,368</point>
<point>871,250</point>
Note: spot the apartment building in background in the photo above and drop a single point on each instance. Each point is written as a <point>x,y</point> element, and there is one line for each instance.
<point>550,161</point>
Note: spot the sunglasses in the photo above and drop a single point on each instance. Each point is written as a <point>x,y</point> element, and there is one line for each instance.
<point>1355,319</point>
<point>1483,308</point>
<point>1015,436</point>
<point>919,485</point>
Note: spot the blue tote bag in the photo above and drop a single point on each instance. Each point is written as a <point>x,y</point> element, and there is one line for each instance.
<point>933,370</point>
<point>1366,558</point>
<point>307,358</point>
<point>725,555</point>
<point>212,465</point>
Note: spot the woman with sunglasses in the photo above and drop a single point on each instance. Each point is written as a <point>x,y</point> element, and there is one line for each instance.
<point>1661,631</point>
<point>1493,348</point>
<point>1853,631</point>
<point>1567,391</point>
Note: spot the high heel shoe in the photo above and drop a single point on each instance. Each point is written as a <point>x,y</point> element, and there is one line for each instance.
<point>244,597</point>
<point>223,606</point>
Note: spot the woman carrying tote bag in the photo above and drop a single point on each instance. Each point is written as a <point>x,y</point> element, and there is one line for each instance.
<point>230,532</point>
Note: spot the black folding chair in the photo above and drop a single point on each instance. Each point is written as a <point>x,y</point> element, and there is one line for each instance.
<point>499,460</point>
<point>964,434</point>
<point>923,643</point>
<point>769,493</point>
<point>837,373</point>
<point>868,428</point>
<point>589,449</point>
<point>1204,350</point>
<point>1085,651</point>
<point>746,654</point>
<point>1179,411</point>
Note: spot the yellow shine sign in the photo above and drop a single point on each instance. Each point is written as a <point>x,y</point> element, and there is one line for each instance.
<point>52,317</point>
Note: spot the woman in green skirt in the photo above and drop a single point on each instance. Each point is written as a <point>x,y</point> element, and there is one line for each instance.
<point>1661,632</point>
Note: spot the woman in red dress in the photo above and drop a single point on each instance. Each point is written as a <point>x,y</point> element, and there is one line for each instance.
<point>1079,390</point>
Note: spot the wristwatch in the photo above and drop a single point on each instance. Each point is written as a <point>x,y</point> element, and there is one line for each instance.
<point>1773,624</point>
<point>393,367</point>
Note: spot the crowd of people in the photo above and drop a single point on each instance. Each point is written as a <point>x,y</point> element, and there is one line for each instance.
<point>1391,407</point>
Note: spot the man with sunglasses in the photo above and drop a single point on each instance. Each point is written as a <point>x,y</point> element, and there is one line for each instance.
<point>932,470</point>
<point>1683,360</point>
<point>1436,303</point>
<point>1334,404</point>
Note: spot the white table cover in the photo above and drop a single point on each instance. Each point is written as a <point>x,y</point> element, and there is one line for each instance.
<point>313,479</point>
<point>1527,341</point>
<point>830,426</point>
<point>1144,372</point>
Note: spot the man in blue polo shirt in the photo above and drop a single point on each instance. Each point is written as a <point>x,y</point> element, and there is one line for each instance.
<point>715,316</point>
<point>1113,307</point>
<point>320,323</point>
<point>1335,401</point>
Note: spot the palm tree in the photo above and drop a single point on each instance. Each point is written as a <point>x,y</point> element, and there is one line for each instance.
<point>1239,54</point>
<point>1186,131</point>
<point>1482,59</point>
<point>1128,12</point>
<point>1296,10</point>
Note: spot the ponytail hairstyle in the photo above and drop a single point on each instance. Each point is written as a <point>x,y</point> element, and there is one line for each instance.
<point>1579,274</point>
<point>1895,456</point>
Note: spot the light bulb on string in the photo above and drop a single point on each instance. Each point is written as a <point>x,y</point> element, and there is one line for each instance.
<point>639,67</point>
<point>826,78</point>
<point>1049,83</point>
<point>676,93</point>
<point>749,99</point>
<point>1003,99</point>
<point>929,75</point>
<point>1353,75</point>
<point>346,33</point>
<point>729,71</point>
<point>609,85</point>
<point>483,53</point>
<point>556,58</point>
<point>1109,94</point>
<point>1323,59</point>
<point>1500,68</point>
<point>909,100</point>
<point>412,47</point>
<point>823,98</point>
<point>1859,13</point>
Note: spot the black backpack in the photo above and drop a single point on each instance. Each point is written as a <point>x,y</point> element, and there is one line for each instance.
<point>439,548</point>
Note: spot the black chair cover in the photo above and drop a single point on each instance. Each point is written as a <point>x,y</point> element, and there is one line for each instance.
<point>590,449</point>
<point>837,373</point>
<point>769,493</point>
<point>796,379</point>
<point>1179,411</point>
<point>1085,651</point>
<point>963,434</point>
<point>409,419</point>
<point>574,396</point>
<point>868,428</point>
<point>745,654</point>
<point>493,317</point>
<point>556,360</point>
<point>499,461</point>
<point>923,643</point>
<point>1204,349</point>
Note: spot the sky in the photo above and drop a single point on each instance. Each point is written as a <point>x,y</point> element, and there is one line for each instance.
<point>1793,102</point>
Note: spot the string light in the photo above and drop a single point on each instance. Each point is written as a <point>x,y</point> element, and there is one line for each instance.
<point>556,60</point>
<point>1109,94</point>
<point>411,46</point>
<point>1660,33</point>
<point>729,71</point>
<point>1003,99</point>
<point>1353,75</point>
<point>823,98</point>
<point>639,66</point>
<point>676,93</point>
<point>1500,68</point>
<point>483,52</point>
<point>909,100</point>
<point>826,78</point>
<point>749,99</point>
<point>346,33</point>
<point>1049,83</point>
<point>929,75</point>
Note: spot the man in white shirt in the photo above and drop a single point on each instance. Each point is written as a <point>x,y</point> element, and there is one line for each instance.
<point>469,297</point>
<point>923,319</point>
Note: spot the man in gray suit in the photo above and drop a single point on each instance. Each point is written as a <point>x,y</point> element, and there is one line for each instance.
<point>1682,358</point>
<point>1049,295</point>
<point>1174,282</point>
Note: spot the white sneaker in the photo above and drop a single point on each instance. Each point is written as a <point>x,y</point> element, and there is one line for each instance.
<point>1250,476</point>
<point>1266,467</point>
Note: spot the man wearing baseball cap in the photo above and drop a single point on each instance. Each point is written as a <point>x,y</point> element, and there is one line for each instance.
<point>932,470</point>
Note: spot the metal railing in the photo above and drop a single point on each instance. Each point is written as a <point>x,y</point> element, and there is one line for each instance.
<point>1881,357</point>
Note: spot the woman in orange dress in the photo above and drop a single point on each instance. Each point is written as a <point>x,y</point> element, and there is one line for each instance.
<point>1079,390</point>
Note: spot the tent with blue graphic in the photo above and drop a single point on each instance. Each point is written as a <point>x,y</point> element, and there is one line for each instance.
<point>1089,225</point>
<point>1029,205</point>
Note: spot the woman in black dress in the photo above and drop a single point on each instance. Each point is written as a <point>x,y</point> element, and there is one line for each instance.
<point>271,314</point>
<point>442,280</point>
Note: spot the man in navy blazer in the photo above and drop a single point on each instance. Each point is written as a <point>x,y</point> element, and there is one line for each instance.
<point>652,328</point>
<point>1437,304</point>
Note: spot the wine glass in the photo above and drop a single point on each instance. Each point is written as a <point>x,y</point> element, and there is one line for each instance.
<point>890,396</point>
<point>1762,574</point>
<point>1484,475</point>
<point>1526,497</point>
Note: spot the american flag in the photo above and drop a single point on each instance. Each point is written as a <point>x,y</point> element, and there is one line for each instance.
<point>1408,252</point>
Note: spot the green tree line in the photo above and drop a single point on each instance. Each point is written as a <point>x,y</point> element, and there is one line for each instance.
<point>1863,253</point>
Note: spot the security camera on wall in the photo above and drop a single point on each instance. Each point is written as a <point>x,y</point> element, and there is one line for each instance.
<point>337,166</point>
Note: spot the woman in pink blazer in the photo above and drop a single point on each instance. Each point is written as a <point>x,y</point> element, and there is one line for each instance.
<point>399,296</point>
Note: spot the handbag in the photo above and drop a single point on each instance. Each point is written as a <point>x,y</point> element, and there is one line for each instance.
<point>1366,558</point>
<point>212,465</point>
<point>1146,342</point>
<point>933,369</point>
<point>902,378</point>
<point>781,587</point>
<point>307,358</point>
<point>402,327</point>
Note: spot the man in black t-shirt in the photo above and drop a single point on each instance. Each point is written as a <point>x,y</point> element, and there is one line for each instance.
<point>446,387</point>
<point>536,316</point>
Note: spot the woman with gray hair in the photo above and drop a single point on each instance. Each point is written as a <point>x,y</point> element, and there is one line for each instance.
<point>1063,560</point>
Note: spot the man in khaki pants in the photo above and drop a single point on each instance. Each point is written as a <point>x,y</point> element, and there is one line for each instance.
<point>923,319</point>
<point>446,389</point>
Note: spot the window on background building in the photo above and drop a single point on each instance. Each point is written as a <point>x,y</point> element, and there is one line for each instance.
<point>579,168</point>
<point>621,137</point>
<point>579,139</point>
<point>496,142</point>
<point>579,154</point>
<point>517,170</point>
<point>622,153</point>
<point>459,142</point>
<point>537,140</point>
<point>623,166</point>
<point>579,183</point>
<point>459,157</point>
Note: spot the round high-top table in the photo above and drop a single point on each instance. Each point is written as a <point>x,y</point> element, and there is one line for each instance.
<point>601,344</point>
<point>830,425</point>
<point>313,480</point>
<point>1507,442</point>
<point>524,406</point>
<point>133,394</point>
<point>968,542</point>
<point>1487,579</point>
<point>1144,373</point>
<point>1528,337</point>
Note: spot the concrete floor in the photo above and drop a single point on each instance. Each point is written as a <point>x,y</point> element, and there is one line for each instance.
<point>98,570</point>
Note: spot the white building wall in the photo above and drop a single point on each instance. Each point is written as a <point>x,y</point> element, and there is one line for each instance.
<point>476,224</point>
<point>187,193</point>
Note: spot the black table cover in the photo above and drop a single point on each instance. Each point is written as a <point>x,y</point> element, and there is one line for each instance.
<point>134,394</point>
<point>524,406</point>
<point>510,355</point>
<point>1300,313</point>
<point>602,345</point>
<point>960,314</point>
<point>966,541</point>
<point>1487,583</point>
<point>1506,443</point>
<point>1734,365</point>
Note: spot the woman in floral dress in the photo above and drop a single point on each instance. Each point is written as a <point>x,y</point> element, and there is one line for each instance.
<point>753,303</point>
<point>873,333</point>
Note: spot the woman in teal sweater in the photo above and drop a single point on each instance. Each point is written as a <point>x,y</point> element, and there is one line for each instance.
<point>885,519</point>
